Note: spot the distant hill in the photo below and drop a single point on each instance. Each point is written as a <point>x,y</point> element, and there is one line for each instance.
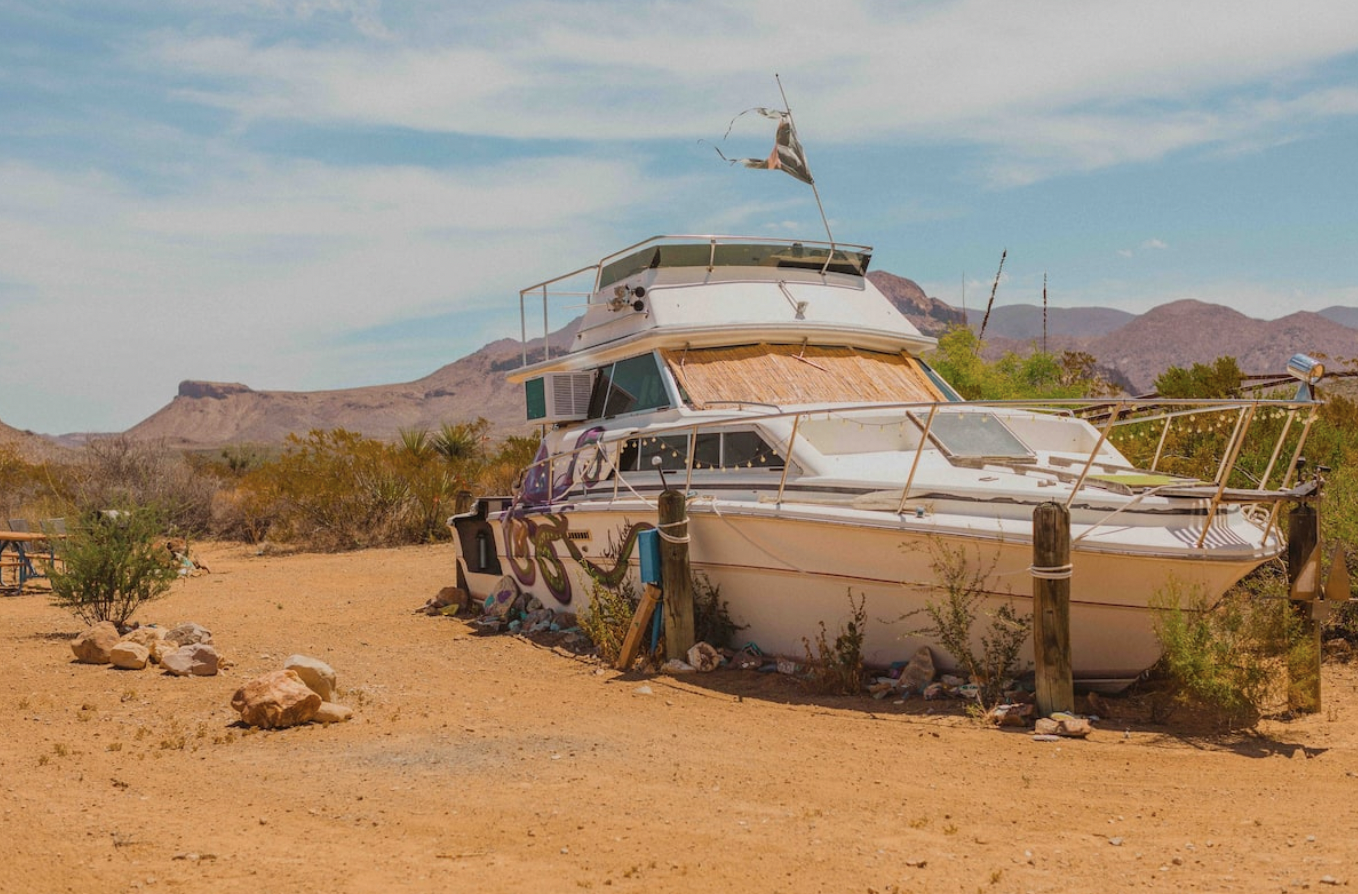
<point>930,316</point>
<point>1344,316</point>
<point>1024,321</point>
<point>209,414</point>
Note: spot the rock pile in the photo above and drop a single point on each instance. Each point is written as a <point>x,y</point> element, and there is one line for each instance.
<point>302,692</point>
<point>508,610</point>
<point>185,650</point>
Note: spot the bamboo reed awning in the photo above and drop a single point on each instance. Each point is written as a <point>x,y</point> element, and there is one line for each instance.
<point>797,374</point>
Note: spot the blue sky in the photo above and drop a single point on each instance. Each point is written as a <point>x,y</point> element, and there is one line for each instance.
<point>309,194</point>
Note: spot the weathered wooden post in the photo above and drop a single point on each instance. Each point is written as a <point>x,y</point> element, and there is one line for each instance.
<point>1303,573</point>
<point>1051,609</point>
<point>675,578</point>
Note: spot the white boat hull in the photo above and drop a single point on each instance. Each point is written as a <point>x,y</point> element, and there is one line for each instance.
<point>782,573</point>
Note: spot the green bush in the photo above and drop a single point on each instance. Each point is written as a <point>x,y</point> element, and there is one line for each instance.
<point>1229,656</point>
<point>608,617</point>
<point>837,668</point>
<point>952,622</point>
<point>111,565</point>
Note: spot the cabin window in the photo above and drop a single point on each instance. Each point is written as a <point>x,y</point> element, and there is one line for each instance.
<point>713,451</point>
<point>628,386</point>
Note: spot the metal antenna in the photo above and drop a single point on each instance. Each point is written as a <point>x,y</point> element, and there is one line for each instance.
<point>991,302</point>
<point>1044,311</point>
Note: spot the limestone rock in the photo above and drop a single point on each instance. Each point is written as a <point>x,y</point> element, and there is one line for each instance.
<point>93,646</point>
<point>919,673</point>
<point>144,636</point>
<point>330,712</point>
<point>275,700</point>
<point>129,655</point>
<point>186,634</point>
<point>198,659</point>
<point>316,674</point>
<point>160,648</point>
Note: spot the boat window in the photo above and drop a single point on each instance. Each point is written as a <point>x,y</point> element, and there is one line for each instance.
<point>715,451</point>
<point>628,386</point>
<point>975,436</point>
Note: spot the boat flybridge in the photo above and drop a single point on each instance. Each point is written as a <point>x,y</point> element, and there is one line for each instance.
<point>775,385</point>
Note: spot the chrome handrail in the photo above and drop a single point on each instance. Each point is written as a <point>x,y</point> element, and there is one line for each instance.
<point>1248,408</point>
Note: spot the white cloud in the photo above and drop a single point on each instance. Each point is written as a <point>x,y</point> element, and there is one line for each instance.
<point>258,272</point>
<point>1124,252</point>
<point>1154,244</point>
<point>1048,86</point>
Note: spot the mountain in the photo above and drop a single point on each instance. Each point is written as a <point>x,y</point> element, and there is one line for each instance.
<point>211,414</point>
<point>1182,333</point>
<point>930,316</point>
<point>1344,316</point>
<point>1024,321</point>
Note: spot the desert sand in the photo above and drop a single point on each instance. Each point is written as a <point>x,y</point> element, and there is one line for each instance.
<point>497,764</point>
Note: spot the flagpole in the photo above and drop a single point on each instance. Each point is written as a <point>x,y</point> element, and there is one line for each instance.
<point>815,192</point>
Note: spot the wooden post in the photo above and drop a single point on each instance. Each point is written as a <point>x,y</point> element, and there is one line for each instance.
<point>631,643</point>
<point>675,578</point>
<point>462,502</point>
<point>1303,573</point>
<point>1051,609</point>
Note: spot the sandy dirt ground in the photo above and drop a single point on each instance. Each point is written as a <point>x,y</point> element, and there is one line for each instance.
<point>496,764</point>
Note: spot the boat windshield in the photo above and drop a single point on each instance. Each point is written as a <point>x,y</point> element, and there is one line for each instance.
<point>739,254</point>
<point>975,436</point>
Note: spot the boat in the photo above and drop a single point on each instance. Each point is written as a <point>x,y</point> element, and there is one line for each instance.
<point>821,457</point>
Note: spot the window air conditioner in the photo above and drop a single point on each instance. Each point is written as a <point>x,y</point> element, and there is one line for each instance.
<point>559,397</point>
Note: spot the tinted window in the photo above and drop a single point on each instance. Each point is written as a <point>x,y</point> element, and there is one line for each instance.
<point>627,387</point>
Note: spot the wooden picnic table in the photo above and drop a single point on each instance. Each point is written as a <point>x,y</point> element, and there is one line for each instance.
<point>15,553</point>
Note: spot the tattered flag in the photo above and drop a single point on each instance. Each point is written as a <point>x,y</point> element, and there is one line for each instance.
<point>787,154</point>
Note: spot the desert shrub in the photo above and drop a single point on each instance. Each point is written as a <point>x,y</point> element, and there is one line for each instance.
<point>711,616</point>
<point>124,471</point>
<point>112,564</point>
<point>608,616</point>
<point>837,668</point>
<point>953,620</point>
<point>337,489</point>
<point>500,473</point>
<point>1231,655</point>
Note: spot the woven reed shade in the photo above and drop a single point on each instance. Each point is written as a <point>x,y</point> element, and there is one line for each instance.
<point>793,374</point>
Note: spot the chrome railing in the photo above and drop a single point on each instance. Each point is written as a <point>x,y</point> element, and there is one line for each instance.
<point>580,471</point>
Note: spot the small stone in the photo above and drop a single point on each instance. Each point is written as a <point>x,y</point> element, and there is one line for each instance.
<point>329,712</point>
<point>94,645</point>
<point>275,700</point>
<point>1329,880</point>
<point>642,690</point>
<point>1115,842</point>
<point>316,674</point>
<point>196,659</point>
<point>129,656</point>
<point>916,864</point>
<point>186,634</point>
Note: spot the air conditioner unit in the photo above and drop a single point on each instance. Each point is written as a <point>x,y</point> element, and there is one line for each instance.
<point>559,397</point>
